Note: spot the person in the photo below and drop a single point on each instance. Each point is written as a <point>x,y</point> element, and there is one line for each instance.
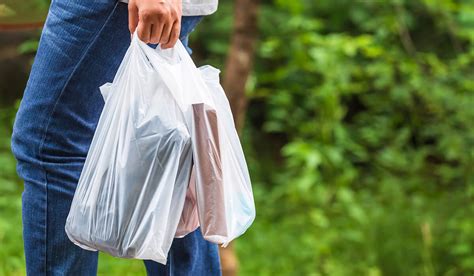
<point>81,47</point>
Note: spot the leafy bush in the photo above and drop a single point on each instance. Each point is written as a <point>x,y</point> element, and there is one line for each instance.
<point>368,105</point>
<point>11,255</point>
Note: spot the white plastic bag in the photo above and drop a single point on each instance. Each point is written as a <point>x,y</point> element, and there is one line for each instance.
<point>133,185</point>
<point>223,193</point>
<point>238,202</point>
<point>189,220</point>
<point>137,176</point>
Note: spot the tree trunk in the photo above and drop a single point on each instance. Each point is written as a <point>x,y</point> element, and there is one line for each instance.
<point>238,66</point>
<point>240,57</point>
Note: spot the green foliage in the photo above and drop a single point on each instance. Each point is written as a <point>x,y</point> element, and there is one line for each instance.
<point>30,11</point>
<point>368,104</point>
<point>29,46</point>
<point>11,257</point>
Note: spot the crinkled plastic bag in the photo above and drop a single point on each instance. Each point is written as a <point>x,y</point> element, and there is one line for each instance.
<point>189,220</point>
<point>223,194</point>
<point>136,185</point>
<point>132,189</point>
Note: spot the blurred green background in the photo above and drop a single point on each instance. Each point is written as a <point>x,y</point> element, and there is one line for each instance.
<point>359,134</point>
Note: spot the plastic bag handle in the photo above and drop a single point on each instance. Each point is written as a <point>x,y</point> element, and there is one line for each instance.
<point>180,49</point>
<point>172,56</point>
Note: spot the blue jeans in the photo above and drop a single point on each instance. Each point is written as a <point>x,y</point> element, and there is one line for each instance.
<point>81,47</point>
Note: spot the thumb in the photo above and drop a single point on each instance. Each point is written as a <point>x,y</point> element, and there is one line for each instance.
<point>132,16</point>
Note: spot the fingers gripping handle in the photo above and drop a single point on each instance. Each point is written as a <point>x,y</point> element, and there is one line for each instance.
<point>172,56</point>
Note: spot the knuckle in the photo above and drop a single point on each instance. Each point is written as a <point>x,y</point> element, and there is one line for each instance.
<point>146,15</point>
<point>161,12</point>
<point>174,14</point>
<point>163,18</point>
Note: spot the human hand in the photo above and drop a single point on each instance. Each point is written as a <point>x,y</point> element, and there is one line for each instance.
<point>155,21</point>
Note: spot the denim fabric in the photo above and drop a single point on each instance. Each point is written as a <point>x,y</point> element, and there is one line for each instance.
<point>81,47</point>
